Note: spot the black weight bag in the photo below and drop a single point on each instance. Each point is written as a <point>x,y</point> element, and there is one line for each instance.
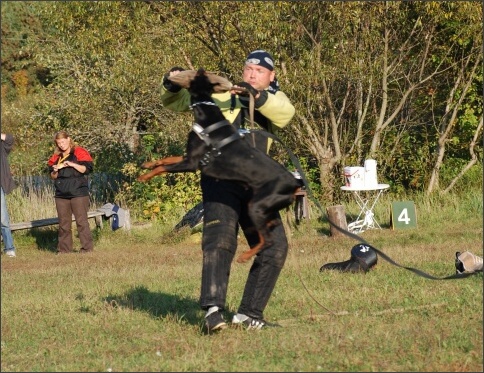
<point>193,218</point>
<point>363,257</point>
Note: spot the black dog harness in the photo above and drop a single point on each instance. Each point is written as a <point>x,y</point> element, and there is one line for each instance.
<point>215,146</point>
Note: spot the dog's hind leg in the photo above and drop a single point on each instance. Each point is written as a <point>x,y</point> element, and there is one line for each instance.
<point>264,240</point>
<point>245,256</point>
<point>264,223</point>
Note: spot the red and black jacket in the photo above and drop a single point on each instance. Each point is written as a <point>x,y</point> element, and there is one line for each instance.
<point>71,183</point>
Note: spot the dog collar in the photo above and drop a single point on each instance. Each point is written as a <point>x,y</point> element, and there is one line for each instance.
<point>202,103</point>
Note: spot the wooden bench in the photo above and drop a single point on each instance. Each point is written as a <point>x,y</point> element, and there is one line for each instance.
<point>97,215</point>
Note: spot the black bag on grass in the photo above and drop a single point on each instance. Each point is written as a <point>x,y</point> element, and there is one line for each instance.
<point>363,257</point>
<point>192,218</point>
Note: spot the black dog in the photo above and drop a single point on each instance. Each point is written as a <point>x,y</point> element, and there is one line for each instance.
<point>217,149</point>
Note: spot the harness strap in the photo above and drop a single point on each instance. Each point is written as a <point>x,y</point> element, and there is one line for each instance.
<point>215,126</point>
<point>204,133</point>
<point>198,129</point>
<point>214,152</point>
<point>228,140</point>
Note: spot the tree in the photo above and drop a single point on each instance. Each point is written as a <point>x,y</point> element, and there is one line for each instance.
<point>105,64</point>
<point>397,81</point>
<point>368,86</point>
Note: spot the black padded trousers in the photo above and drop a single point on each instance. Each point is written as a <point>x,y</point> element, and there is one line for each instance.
<point>225,207</point>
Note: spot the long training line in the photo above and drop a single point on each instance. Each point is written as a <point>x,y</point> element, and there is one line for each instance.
<point>356,237</point>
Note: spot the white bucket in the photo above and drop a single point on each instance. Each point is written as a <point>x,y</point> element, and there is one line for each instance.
<point>355,177</point>
<point>370,174</point>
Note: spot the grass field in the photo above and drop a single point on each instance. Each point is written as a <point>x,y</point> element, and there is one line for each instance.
<point>132,304</point>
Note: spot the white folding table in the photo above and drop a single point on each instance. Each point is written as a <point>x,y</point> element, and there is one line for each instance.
<point>366,198</point>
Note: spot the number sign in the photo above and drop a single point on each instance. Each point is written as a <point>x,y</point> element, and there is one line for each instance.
<point>404,215</point>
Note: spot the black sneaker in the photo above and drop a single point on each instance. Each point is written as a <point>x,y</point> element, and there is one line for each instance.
<point>215,322</point>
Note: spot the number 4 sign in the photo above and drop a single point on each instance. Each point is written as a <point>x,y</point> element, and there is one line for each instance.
<point>403,215</point>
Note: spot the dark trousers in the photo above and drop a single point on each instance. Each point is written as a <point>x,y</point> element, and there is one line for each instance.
<point>225,208</point>
<point>79,206</point>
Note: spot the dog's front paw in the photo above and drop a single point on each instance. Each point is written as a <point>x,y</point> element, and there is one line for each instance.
<point>143,178</point>
<point>148,165</point>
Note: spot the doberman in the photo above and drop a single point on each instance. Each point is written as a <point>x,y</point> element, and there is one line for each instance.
<point>217,149</point>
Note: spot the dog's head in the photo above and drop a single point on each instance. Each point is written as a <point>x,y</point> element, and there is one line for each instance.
<point>201,82</point>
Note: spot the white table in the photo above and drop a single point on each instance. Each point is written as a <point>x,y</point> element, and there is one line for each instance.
<point>366,198</point>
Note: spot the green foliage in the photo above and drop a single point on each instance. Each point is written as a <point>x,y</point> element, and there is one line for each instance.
<point>94,69</point>
<point>112,158</point>
<point>165,195</point>
<point>20,74</point>
<point>33,145</point>
<point>472,178</point>
<point>406,165</point>
<point>111,66</point>
<point>311,174</point>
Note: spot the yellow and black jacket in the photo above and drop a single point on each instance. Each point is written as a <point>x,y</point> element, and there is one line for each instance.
<point>273,111</point>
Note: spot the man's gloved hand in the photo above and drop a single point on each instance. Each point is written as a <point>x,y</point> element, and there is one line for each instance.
<point>250,90</point>
<point>168,84</point>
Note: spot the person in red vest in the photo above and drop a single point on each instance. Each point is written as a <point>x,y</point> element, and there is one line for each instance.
<point>69,166</point>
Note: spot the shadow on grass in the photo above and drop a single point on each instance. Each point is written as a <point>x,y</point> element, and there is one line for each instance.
<point>46,238</point>
<point>158,304</point>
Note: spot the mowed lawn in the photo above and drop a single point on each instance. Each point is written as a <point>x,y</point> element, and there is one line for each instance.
<point>132,304</point>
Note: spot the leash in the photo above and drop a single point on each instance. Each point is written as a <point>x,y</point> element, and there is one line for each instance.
<point>251,104</point>
<point>356,237</point>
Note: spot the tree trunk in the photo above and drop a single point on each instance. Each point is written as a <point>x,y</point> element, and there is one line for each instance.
<point>337,215</point>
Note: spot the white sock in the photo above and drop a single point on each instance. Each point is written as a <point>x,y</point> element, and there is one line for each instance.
<point>240,317</point>
<point>211,310</point>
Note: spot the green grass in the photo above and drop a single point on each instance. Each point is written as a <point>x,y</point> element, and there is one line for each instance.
<point>132,304</point>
